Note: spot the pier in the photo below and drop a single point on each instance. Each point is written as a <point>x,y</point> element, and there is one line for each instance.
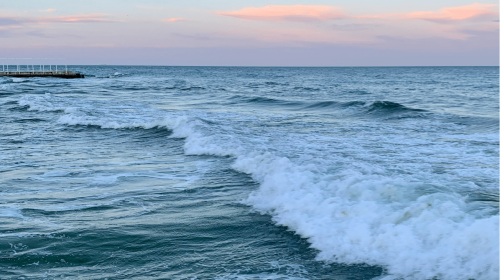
<point>29,71</point>
<point>56,74</point>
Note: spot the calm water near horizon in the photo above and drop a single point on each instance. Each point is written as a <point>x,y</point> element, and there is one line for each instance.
<point>344,173</point>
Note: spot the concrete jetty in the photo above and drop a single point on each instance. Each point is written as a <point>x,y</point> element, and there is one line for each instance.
<point>29,74</point>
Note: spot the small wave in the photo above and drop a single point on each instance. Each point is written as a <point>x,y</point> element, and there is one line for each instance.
<point>263,100</point>
<point>272,83</point>
<point>353,104</point>
<point>358,92</point>
<point>192,88</point>
<point>29,120</point>
<point>390,107</point>
<point>377,107</point>
<point>69,208</point>
<point>334,104</point>
<point>73,119</point>
<point>323,104</point>
<point>306,89</point>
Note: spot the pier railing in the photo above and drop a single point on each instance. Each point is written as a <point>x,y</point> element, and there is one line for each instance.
<point>6,68</point>
<point>26,71</point>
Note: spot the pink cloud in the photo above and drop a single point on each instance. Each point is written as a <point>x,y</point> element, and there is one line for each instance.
<point>16,21</point>
<point>173,19</point>
<point>472,11</point>
<point>48,10</point>
<point>78,18</point>
<point>300,13</point>
<point>306,13</point>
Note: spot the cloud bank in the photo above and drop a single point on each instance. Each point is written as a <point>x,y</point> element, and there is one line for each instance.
<point>297,13</point>
<point>86,18</point>
<point>310,13</point>
<point>467,12</point>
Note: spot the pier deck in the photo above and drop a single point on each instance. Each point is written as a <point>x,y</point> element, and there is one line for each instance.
<point>29,74</point>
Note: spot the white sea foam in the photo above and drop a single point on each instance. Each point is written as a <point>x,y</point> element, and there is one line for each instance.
<point>19,80</point>
<point>181,126</point>
<point>413,223</point>
<point>11,212</point>
<point>357,218</point>
<point>43,103</point>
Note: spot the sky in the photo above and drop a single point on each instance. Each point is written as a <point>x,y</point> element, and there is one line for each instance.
<point>251,33</point>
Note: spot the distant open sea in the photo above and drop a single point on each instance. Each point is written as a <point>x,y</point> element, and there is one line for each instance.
<point>251,173</point>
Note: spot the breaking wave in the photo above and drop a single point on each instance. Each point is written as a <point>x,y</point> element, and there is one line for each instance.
<point>353,215</point>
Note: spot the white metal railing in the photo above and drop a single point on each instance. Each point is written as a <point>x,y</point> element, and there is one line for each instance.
<point>7,67</point>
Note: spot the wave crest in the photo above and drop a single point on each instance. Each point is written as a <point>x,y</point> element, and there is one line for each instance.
<point>390,107</point>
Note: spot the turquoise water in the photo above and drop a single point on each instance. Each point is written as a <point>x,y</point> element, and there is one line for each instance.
<point>250,173</point>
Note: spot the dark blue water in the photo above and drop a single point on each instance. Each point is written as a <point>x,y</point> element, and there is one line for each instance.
<point>250,173</point>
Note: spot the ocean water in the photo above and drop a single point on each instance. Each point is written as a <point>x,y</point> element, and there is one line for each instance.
<point>251,173</point>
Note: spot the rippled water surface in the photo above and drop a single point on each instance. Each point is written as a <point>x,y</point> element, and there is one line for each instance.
<point>250,173</point>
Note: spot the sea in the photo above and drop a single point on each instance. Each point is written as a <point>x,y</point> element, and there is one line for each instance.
<point>251,173</point>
